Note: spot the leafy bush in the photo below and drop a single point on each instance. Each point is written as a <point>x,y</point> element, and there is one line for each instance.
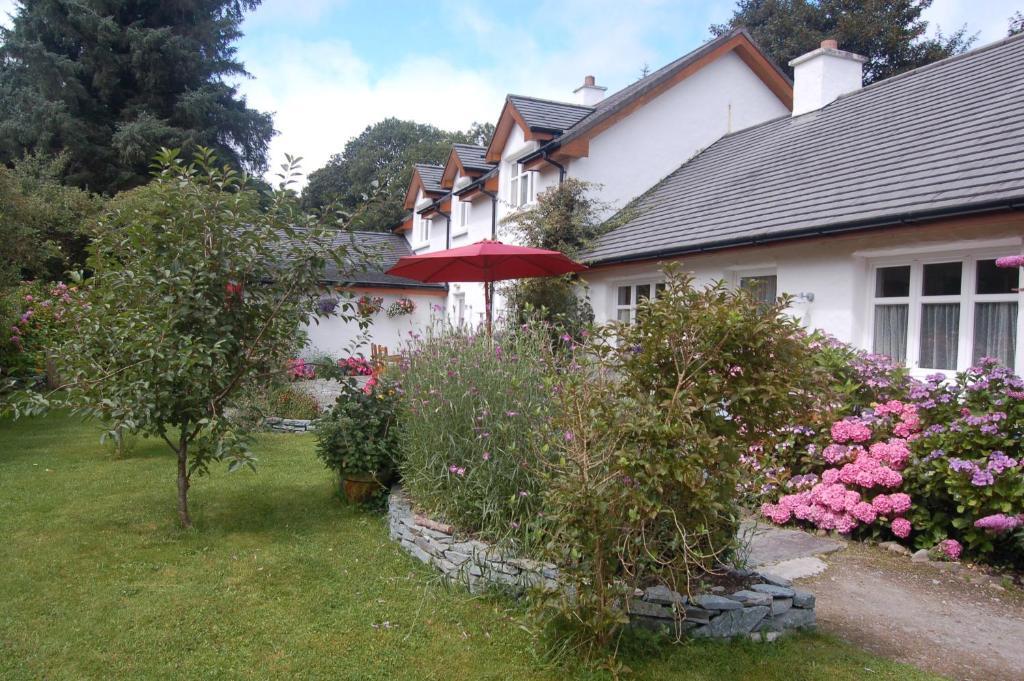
<point>360,433</point>
<point>955,446</point>
<point>473,412</point>
<point>969,465</point>
<point>647,430</point>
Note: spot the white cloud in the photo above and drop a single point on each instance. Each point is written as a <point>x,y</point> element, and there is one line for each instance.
<point>322,94</point>
<point>988,18</point>
<point>6,9</point>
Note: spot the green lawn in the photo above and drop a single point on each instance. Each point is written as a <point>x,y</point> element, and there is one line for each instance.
<point>279,579</point>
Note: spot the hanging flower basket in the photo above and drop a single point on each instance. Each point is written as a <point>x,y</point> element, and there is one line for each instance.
<point>369,305</point>
<point>326,304</point>
<point>400,307</point>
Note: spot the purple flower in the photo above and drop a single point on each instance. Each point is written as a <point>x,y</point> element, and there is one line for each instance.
<point>982,478</point>
<point>568,436</point>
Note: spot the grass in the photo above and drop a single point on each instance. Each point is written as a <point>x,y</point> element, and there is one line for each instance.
<point>279,579</point>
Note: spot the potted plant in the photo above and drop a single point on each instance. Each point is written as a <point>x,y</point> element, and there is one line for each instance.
<point>358,438</point>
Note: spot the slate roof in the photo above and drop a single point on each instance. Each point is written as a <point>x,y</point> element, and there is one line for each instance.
<point>431,177</point>
<point>945,137</point>
<point>471,156</point>
<point>385,249</point>
<point>548,115</point>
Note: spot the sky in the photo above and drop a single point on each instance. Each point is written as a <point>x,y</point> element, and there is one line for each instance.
<point>329,68</point>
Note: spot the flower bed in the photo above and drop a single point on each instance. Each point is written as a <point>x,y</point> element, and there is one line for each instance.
<point>765,607</point>
<point>940,468</point>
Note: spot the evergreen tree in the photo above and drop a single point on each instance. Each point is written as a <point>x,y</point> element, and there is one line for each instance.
<point>107,83</point>
<point>890,33</point>
<point>379,163</point>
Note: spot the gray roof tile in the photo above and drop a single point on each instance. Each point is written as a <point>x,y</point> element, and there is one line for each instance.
<point>946,136</point>
<point>471,156</point>
<point>431,176</point>
<point>545,114</point>
<point>384,249</point>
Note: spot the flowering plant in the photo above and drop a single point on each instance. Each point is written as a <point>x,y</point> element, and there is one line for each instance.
<point>858,488</point>
<point>402,306</point>
<point>968,462</point>
<point>355,366</point>
<point>368,305</point>
<point>299,369</point>
<point>360,433</point>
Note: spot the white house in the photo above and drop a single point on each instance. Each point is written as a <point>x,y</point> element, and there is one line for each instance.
<point>881,209</point>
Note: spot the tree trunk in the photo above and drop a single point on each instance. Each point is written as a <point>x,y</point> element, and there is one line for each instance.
<point>183,516</point>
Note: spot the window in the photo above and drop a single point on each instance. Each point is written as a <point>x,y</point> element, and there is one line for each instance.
<point>459,309</point>
<point>422,232</point>
<point>945,315</point>
<point>629,296</point>
<point>763,287</point>
<point>520,188</point>
<point>462,221</point>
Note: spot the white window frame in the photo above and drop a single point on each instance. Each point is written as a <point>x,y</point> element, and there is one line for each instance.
<point>967,300</point>
<point>421,230</point>
<point>739,274</point>
<point>459,309</point>
<point>519,177</point>
<point>462,216</point>
<point>617,309</point>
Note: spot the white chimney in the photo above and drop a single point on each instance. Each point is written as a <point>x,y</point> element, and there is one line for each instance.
<point>589,94</point>
<point>819,77</point>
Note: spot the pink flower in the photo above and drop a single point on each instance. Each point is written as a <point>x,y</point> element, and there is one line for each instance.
<point>487,456</point>
<point>951,548</point>
<point>882,504</point>
<point>900,502</point>
<point>1010,261</point>
<point>850,431</point>
<point>901,527</point>
<point>568,436</point>
<point>864,512</point>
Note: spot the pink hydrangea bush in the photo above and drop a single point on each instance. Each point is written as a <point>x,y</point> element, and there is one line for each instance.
<point>859,488</point>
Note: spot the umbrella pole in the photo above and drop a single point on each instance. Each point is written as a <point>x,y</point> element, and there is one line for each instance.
<point>487,305</point>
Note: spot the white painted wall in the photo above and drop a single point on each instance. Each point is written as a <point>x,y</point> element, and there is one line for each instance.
<point>634,154</point>
<point>341,339</point>
<point>835,269</point>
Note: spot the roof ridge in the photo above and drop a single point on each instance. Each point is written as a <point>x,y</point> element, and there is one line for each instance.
<point>933,65</point>
<point>549,101</point>
<point>471,146</point>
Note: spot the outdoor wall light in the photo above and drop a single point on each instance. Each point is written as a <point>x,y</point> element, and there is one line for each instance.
<point>804,297</point>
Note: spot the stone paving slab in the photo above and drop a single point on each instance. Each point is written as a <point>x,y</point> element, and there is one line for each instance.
<point>770,545</point>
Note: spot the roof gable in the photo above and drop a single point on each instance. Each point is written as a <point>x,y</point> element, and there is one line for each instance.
<point>426,177</point>
<point>467,159</point>
<point>627,100</point>
<point>539,119</point>
<point>948,137</point>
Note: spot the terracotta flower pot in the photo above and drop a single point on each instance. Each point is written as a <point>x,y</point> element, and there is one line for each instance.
<point>359,487</point>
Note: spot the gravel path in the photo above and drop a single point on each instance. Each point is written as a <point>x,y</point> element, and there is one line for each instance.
<point>943,617</point>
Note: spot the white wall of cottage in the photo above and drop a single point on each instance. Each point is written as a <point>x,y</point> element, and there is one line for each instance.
<point>340,339</point>
<point>835,269</point>
<point>632,155</point>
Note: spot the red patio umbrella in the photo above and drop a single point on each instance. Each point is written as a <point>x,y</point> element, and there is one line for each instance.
<point>486,261</point>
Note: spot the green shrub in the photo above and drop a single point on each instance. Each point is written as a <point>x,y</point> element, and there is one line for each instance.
<point>360,433</point>
<point>474,412</point>
<point>647,435</point>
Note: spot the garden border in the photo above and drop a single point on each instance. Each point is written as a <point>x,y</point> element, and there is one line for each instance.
<point>769,607</point>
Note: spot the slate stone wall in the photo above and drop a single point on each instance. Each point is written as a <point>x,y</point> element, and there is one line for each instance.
<point>280,425</point>
<point>768,607</point>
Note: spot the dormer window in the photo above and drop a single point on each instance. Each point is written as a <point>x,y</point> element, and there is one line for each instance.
<point>521,187</point>
<point>422,231</point>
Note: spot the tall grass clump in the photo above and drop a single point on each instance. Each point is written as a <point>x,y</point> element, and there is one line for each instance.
<point>475,412</point>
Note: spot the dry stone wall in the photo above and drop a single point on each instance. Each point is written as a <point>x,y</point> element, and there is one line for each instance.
<point>768,607</point>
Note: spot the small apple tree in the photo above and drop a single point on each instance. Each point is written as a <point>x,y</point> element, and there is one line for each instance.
<point>201,286</point>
